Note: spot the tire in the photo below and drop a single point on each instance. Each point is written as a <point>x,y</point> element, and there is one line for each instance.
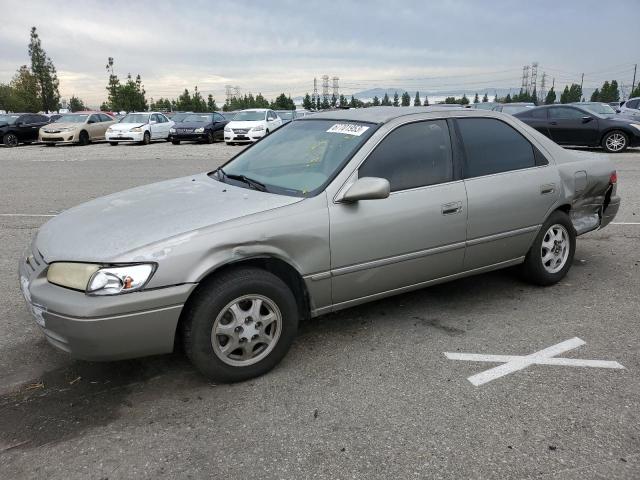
<point>113,144</point>
<point>239,290</point>
<point>550,257</point>
<point>229,143</point>
<point>266,133</point>
<point>615,141</point>
<point>50,144</point>
<point>210,138</point>
<point>10,140</point>
<point>146,138</point>
<point>84,139</point>
<point>175,142</point>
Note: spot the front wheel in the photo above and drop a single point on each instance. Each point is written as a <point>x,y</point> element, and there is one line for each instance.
<point>551,254</point>
<point>240,325</point>
<point>84,138</point>
<point>10,140</point>
<point>175,142</point>
<point>146,138</point>
<point>209,139</point>
<point>614,142</point>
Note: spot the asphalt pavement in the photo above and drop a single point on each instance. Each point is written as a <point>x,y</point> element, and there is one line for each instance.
<point>366,393</point>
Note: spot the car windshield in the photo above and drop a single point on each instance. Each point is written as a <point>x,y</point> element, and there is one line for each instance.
<point>300,158</point>
<point>601,108</point>
<point>249,116</point>
<point>513,109</point>
<point>179,117</point>
<point>72,119</point>
<point>285,115</point>
<point>199,118</point>
<point>10,119</point>
<point>135,118</point>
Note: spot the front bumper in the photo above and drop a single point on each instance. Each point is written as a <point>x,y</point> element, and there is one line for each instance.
<point>250,136</point>
<point>124,136</point>
<point>59,137</point>
<point>102,328</point>
<point>188,136</point>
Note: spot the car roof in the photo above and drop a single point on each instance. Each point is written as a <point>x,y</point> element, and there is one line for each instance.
<point>386,114</point>
<point>253,110</point>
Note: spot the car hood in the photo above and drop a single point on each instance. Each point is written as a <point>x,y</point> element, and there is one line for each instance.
<point>107,228</point>
<point>123,127</point>
<point>194,124</point>
<point>58,126</point>
<point>245,124</point>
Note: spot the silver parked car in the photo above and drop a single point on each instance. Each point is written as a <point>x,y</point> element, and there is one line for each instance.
<point>328,212</point>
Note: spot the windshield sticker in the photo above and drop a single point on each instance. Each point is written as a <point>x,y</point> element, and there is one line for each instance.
<point>348,129</point>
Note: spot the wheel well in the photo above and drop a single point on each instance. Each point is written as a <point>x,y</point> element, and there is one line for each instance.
<point>613,129</point>
<point>279,268</point>
<point>564,208</point>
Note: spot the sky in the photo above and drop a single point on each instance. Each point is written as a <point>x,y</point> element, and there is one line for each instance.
<point>280,46</point>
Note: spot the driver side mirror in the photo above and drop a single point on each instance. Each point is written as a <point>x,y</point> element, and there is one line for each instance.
<point>19,124</point>
<point>152,122</point>
<point>586,119</point>
<point>367,188</point>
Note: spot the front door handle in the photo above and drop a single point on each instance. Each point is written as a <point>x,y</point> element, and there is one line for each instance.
<point>547,189</point>
<point>451,208</point>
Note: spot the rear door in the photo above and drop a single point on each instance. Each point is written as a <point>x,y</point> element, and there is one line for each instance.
<point>510,188</point>
<point>28,131</point>
<point>571,126</point>
<point>218,126</point>
<point>416,234</point>
<point>94,126</point>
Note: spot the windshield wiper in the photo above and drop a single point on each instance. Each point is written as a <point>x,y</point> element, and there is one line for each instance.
<point>256,185</point>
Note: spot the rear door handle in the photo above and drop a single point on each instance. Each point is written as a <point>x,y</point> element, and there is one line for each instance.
<point>547,189</point>
<point>451,208</point>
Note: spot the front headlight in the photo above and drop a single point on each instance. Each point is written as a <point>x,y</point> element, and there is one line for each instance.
<point>259,128</point>
<point>109,130</point>
<point>172,130</point>
<point>636,125</point>
<point>137,129</point>
<point>227,129</point>
<point>98,280</point>
<point>199,130</point>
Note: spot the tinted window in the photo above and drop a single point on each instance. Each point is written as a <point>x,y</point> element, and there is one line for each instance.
<point>536,112</point>
<point>492,146</point>
<point>94,119</point>
<point>565,113</point>
<point>411,156</point>
<point>105,118</point>
<point>632,104</point>
<point>218,118</point>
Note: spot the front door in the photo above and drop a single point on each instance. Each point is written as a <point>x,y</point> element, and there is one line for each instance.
<point>510,189</point>
<point>415,235</point>
<point>571,126</point>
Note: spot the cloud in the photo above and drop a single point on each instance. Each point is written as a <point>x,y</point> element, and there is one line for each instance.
<point>277,46</point>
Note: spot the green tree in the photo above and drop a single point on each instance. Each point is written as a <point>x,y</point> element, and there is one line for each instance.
<point>609,92</point>
<point>318,103</point>
<point>385,101</point>
<point>551,97</point>
<point>464,100</point>
<point>282,102</point>
<point>25,91</point>
<point>396,100</point>
<point>334,100</point>
<point>306,102</point>
<point>343,101</point>
<point>325,103</point>
<point>595,96</point>
<point>129,96</point>
<point>485,99</point>
<point>76,104</point>
<point>426,101</point>
<point>44,71</point>
<point>199,104</point>
<point>376,101</point>
<point>508,98</point>
<point>571,93</point>
<point>476,99</point>
<point>416,100</point>
<point>211,103</point>
<point>405,99</point>
<point>450,100</point>
<point>635,92</point>
<point>534,96</point>
<point>184,102</point>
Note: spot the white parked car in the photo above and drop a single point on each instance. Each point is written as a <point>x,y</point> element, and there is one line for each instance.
<point>251,125</point>
<point>142,127</point>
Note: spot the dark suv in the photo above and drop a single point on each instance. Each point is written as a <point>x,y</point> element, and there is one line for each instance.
<point>207,127</point>
<point>16,128</point>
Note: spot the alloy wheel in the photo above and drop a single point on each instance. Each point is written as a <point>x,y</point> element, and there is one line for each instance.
<point>555,248</point>
<point>11,140</point>
<point>616,142</point>
<point>246,330</point>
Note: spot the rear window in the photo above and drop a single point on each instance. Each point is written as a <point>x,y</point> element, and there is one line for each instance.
<point>492,146</point>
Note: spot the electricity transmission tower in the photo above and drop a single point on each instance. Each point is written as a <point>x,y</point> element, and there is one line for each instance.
<point>543,85</point>
<point>336,89</point>
<point>534,75</point>
<point>325,87</point>
<point>525,79</point>
<point>314,97</point>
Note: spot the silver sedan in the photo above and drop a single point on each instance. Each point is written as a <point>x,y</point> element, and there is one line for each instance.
<point>328,212</point>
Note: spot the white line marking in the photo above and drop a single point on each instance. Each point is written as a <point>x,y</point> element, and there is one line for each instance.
<point>513,363</point>
<point>24,215</point>
<point>625,223</point>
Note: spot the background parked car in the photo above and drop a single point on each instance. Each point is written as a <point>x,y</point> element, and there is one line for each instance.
<point>631,108</point>
<point>207,127</point>
<point>511,108</point>
<point>604,109</point>
<point>574,125</point>
<point>251,125</point>
<point>287,115</point>
<point>81,128</point>
<point>484,105</point>
<point>142,127</point>
<point>16,128</point>
<point>177,117</point>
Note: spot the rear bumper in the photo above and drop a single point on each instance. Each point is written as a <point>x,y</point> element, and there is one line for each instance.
<point>610,212</point>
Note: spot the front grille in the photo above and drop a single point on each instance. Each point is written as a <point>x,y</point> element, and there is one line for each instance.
<point>121,138</point>
<point>241,130</point>
<point>52,131</point>
<point>184,130</point>
<point>53,139</point>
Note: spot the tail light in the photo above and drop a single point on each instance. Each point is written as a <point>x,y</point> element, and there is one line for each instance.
<point>613,179</point>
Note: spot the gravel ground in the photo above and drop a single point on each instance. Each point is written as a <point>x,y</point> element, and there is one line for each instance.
<point>364,393</point>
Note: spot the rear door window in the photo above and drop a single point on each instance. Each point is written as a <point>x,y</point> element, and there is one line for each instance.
<point>413,155</point>
<point>564,113</point>
<point>492,146</point>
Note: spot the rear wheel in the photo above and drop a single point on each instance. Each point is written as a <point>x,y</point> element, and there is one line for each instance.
<point>10,140</point>
<point>240,325</point>
<point>551,254</point>
<point>83,139</point>
<point>146,138</point>
<point>210,138</point>
<point>616,141</point>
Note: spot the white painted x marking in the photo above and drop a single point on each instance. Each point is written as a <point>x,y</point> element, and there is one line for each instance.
<point>513,363</point>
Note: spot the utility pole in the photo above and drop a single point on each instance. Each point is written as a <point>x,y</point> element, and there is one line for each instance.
<point>336,88</point>
<point>633,84</point>
<point>581,82</point>
<point>314,97</point>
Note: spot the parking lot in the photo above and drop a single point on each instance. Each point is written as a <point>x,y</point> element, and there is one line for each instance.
<point>364,393</point>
